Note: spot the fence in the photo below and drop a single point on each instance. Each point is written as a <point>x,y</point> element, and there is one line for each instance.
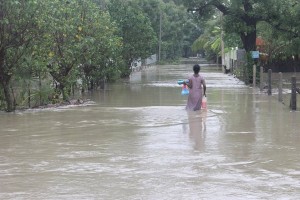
<point>283,85</point>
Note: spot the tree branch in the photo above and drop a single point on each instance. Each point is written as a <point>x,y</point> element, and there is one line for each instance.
<point>217,4</point>
<point>221,7</point>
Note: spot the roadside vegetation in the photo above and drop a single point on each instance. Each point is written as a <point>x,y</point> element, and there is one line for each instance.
<point>274,24</point>
<point>52,51</point>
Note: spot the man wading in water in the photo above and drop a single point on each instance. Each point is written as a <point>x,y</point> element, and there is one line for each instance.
<point>197,88</point>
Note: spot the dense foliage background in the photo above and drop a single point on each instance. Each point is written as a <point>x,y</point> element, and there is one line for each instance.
<point>51,48</point>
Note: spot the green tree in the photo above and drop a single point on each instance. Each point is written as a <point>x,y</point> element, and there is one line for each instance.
<point>191,31</point>
<point>109,49</point>
<point>101,53</point>
<point>239,17</point>
<point>173,31</point>
<point>210,40</point>
<point>139,39</point>
<point>17,31</point>
<point>62,40</point>
<point>242,16</point>
<point>285,29</point>
<point>152,9</point>
<point>30,80</point>
<point>177,30</point>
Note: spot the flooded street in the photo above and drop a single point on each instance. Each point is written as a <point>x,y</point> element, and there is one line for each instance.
<point>137,141</point>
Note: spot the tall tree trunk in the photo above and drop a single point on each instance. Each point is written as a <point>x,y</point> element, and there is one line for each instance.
<point>4,81</point>
<point>63,92</point>
<point>249,38</point>
<point>29,97</point>
<point>40,89</point>
<point>8,96</point>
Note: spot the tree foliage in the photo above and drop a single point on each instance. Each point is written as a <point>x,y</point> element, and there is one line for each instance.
<point>274,22</point>
<point>242,16</point>
<point>173,32</point>
<point>17,32</point>
<point>55,38</point>
<point>89,42</point>
<point>210,40</point>
<point>139,39</point>
<point>50,47</point>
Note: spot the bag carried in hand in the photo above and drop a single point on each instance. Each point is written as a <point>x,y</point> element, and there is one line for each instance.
<point>185,90</point>
<point>204,103</point>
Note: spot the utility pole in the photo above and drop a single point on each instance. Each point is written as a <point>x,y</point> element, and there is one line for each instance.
<point>159,42</point>
<point>222,44</point>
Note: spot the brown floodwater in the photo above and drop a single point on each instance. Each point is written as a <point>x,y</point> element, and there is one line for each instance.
<point>136,141</point>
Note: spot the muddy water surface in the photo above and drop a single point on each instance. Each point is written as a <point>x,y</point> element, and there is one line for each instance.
<point>138,142</point>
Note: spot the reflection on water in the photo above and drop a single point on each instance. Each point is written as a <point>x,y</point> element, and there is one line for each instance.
<point>138,142</point>
<point>197,128</point>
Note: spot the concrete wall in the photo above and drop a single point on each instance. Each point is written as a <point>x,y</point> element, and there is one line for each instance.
<point>234,59</point>
<point>139,64</point>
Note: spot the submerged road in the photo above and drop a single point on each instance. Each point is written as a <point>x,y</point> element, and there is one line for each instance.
<point>138,142</point>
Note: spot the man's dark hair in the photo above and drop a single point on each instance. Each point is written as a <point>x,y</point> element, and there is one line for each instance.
<point>196,68</point>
